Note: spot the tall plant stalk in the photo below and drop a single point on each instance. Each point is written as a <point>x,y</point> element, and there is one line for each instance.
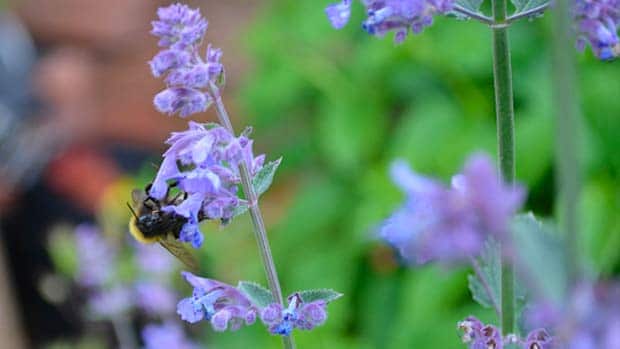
<point>260,232</point>
<point>566,117</point>
<point>502,73</point>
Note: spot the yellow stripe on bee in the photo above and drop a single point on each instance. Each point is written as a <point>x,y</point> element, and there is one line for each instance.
<point>137,234</point>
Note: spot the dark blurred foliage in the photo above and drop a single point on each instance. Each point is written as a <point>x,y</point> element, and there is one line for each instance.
<point>340,106</point>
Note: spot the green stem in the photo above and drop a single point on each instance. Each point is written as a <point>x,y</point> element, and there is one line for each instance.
<point>260,232</point>
<point>566,116</point>
<point>502,72</point>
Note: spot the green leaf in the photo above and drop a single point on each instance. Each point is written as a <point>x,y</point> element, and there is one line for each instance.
<point>257,294</point>
<point>323,294</point>
<point>540,252</point>
<point>526,5</point>
<point>490,268</point>
<point>264,177</point>
<point>261,182</point>
<point>471,5</point>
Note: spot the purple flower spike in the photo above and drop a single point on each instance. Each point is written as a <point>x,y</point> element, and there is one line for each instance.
<point>221,304</point>
<point>166,336</point>
<point>597,23</point>
<point>304,316</point>
<point>399,16</point>
<point>179,27</point>
<point>187,74</point>
<point>449,224</point>
<point>204,160</point>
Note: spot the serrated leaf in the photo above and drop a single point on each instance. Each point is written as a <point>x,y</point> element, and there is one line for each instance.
<point>541,254</point>
<point>323,294</point>
<point>256,293</point>
<point>261,182</point>
<point>471,5</point>
<point>527,5</point>
<point>490,266</point>
<point>263,179</point>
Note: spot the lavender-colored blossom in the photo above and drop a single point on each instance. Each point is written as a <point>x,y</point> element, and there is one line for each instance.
<point>480,336</point>
<point>597,23</point>
<point>450,223</point>
<point>182,100</point>
<point>205,161</point>
<point>166,336</point>
<point>96,257</point>
<point>590,319</point>
<point>179,27</point>
<point>186,72</point>
<point>221,304</point>
<point>304,316</point>
<point>538,339</point>
<point>339,13</point>
<point>399,16</point>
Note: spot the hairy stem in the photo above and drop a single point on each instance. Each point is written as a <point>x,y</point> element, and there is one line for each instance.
<point>502,73</point>
<point>487,287</point>
<point>566,116</point>
<point>260,232</point>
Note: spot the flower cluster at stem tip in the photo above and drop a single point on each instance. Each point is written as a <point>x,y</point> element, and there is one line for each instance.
<point>383,16</point>
<point>597,23</point>
<point>226,307</point>
<point>450,224</point>
<point>204,160</point>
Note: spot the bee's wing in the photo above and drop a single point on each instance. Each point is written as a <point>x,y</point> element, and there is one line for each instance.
<point>137,196</point>
<point>177,249</point>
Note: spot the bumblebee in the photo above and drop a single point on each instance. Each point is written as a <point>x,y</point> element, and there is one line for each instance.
<point>149,224</point>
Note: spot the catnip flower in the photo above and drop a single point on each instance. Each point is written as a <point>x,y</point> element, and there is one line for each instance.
<point>590,319</point>
<point>223,305</point>
<point>304,316</point>
<point>480,336</point>
<point>400,16</point>
<point>165,336</point>
<point>449,224</point>
<point>186,72</point>
<point>477,335</point>
<point>597,23</point>
<point>204,160</point>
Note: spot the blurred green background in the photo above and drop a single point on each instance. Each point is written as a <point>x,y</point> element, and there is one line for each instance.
<point>339,106</point>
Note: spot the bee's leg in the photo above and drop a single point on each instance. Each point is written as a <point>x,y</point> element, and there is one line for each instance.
<point>147,188</point>
<point>151,203</point>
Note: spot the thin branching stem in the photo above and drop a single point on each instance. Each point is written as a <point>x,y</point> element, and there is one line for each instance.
<point>260,232</point>
<point>531,12</point>
<point>475,15</point>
